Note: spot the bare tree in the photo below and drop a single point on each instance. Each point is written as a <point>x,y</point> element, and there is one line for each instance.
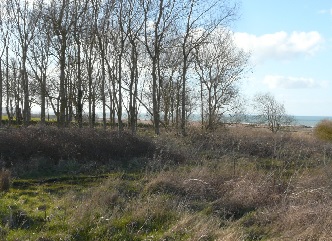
<point>39,59</point>
<point>90,52</point>
<point>159,17</point>
<point>102,27</point>
<point>133,26</point>
<point>271,112</point>
<point>101,54</point>
<point>23,17</point>
<point>61,21</point>
<point>219,66</point>
<point>201,18</point>
<point>170,94</point>
<point>119,44</point>
<point>80,32</point>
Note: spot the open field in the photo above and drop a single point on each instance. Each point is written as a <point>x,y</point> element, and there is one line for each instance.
<point>237,183</point>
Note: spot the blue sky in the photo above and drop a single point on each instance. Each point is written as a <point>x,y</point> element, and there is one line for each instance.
<point>291,52</point>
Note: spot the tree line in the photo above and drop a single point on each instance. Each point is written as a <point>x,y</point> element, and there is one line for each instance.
<point>75,57</point>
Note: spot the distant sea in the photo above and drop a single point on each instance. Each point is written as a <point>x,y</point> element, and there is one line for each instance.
<point>311,121</point>
<point>308,121</point>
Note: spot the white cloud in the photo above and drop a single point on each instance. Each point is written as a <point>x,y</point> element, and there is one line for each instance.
<point>283,82</point>
<point>279,45</point>
<point>326,11</point>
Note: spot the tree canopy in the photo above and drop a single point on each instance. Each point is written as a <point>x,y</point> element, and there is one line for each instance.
<point>77,58</point>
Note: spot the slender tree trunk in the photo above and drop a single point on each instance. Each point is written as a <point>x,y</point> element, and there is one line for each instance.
<point>18,98</point>
<point>134,107</point>
<point>62,94</point>
<point>202,104</point>
<point>1,81</point>
<point>43,99</point>
<point>133,90</point>
<point>69,96</point>
<point>115,101</point>
<point>120,125</point>
<point>210,121</point>
<point>178,100</point>
<point>122,42</point>
<point>183,97</point>
<point>103,78</point>
<point>25,82</point>
<point>110,92</point>
<point>8,89</point>
<point>79,87</point>
<point>156,118</point>
<point>90,94</point>
<point>93,120</point>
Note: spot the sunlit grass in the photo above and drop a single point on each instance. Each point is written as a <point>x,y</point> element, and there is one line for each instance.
<point>230,186</point>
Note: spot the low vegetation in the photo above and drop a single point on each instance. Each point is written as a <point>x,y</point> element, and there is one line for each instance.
<point>4,180</point>
<point>324,130</point>
<point>237,183</point>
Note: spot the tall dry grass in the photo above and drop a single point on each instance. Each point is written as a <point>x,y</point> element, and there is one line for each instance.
<point>233,184</point>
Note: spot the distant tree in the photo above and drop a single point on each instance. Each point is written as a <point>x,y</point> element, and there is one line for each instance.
<point>271,112</point>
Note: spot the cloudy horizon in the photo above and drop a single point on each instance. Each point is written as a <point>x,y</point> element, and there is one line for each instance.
<point>290,45</point>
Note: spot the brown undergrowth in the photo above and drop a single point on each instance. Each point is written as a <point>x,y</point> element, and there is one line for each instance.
<point>233,184</point>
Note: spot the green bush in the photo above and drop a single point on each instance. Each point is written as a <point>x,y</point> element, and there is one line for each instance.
<point>323,130</point>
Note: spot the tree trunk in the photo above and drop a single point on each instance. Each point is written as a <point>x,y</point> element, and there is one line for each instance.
<point>8,89</point>
<point>202,104</point>
<point>120,125</point>
<point>156,119</point>
<point>90,98</point>
<point>183,97</point>
<point>43,99</point>
<point>25,82</point>
<point>79,86</point>
<point>62,93</point>
<point>102,90</point>
<point>93,120</point>
<point>1,82</point>
<point>133,90</point>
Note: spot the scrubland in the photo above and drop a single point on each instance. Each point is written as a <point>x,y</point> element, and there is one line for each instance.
<point>235,183</point>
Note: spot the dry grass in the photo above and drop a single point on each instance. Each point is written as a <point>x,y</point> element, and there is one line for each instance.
<point>50,150</point>
<point>305,213</point>
<point>233,184</point>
